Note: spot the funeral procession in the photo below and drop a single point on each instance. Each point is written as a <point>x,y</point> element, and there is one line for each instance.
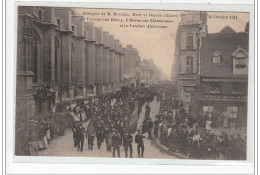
<point>90,89</point>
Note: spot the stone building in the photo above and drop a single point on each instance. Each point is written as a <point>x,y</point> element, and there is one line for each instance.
<point>62,58</point>
<point>211,69</point>
<point>147,72</point>
<point>224,75</point>
<point>132,66</point>
<point>192,28</point>
<point>73,58</point>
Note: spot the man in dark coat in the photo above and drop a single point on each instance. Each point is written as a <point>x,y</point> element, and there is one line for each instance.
<point>127,143</point>
<point>116,143</point>
<point>74,131</point>
<point>90,135</point>
<point>99,134</point>
<point>150,127</point>
<point>140,144</point>
<point>80,137</point>
<point>147,111</point>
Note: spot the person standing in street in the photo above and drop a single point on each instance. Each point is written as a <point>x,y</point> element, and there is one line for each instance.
<point>74,131</point>
<point>127,143</point>
<point>116,143</point>
<point>150,128</point>
<point>108,138</point>
<point>99,134</point>
<point>90,135</point>
<point>147,111</point>
<point>80,137</point>
<point>140,143</point>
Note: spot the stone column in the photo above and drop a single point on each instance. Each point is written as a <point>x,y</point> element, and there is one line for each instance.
<point>117,52</point>
<point>90,55</point>
<point>98,62</point>
<point>111,62</point>
<point>106,61</point>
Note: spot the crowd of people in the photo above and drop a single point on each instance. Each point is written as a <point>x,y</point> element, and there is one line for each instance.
<point>110,123</point>
<point>195,138</point>
<point>108,117</point>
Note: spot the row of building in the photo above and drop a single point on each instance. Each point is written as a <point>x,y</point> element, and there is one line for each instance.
<point>211,69</point>
<point>74,58</point>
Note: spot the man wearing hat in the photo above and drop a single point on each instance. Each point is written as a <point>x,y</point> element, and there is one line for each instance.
<point>80,136</point>
<point>140,143</point>
<point>127,143</point>
<point>116,143</point>
<point>150,127</point>
<point>74,131</point>
<point>90,135</point>
<point>99,134</point>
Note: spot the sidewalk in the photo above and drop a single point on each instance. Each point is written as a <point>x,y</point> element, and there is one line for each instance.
<point>164,149</point>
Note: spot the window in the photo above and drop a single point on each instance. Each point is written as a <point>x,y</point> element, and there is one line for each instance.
<point>189,65</point>
<point>216,59</point>
<point>240,63</point>
<point>35,64</point>
<point>232,111</point>
<point>58,23</point>
<point>189,42</point>
<point>33,57</point>
<point>214,88</point>
<point>207,110</point>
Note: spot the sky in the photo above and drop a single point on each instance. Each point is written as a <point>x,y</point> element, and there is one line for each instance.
<point>154,43</point>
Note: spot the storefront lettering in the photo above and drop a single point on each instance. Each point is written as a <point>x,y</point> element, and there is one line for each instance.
<point>224,80</point>
<point>228,97</point>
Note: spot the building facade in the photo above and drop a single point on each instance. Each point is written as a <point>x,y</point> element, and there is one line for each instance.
<point>192,28</point>
<point>224,75</point>
<point>73,58</point>
<point>211,69</point>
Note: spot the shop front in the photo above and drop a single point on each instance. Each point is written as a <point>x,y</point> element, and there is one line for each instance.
<point>225,111</point>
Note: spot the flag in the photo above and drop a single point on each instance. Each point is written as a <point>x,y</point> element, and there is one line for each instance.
<point>134,119</point>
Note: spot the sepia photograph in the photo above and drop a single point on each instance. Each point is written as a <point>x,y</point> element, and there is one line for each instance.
<point>131,83</point>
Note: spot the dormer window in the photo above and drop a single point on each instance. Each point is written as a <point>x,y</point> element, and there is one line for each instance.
<point>240,58</point>
<point>240,63</point>
<point>216,57</point>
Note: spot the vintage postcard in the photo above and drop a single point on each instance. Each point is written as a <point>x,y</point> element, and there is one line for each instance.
<point>153,84</point>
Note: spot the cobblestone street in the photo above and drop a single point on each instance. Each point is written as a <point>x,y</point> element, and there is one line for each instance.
<point>63,146</point>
